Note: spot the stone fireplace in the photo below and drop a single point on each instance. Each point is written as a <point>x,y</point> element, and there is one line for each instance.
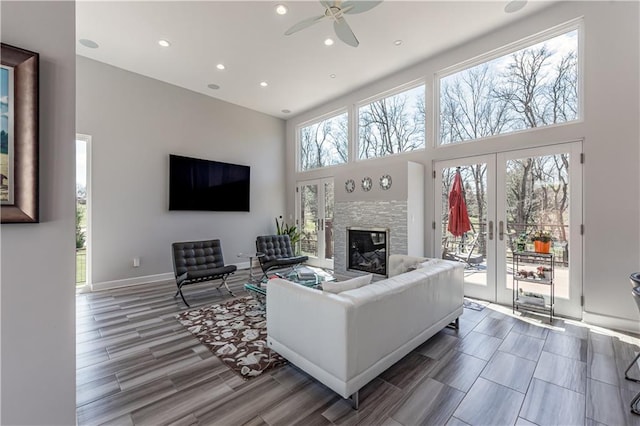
<point>382,220</point>
<point>368,250</point>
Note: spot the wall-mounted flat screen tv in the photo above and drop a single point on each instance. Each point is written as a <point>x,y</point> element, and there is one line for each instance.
<point>196,184</point>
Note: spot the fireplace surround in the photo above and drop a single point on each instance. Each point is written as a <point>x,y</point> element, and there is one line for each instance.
<point>368,250</point>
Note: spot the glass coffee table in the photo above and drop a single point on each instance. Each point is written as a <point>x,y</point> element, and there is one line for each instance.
<point>307,276</point>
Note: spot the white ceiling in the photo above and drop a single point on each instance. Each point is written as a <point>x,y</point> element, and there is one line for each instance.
<point>248,38</point>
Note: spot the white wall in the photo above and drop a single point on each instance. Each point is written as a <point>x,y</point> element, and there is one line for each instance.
<point>37,274</point>
<point>609,130</point>
<point>135,123</point>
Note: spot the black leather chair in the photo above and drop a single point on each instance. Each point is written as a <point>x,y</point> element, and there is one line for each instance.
<point>277,253</point>
<point>199,261</point>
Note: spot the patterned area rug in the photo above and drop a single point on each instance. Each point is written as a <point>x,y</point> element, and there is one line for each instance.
<point>476,305</point>
<point>236,332</point>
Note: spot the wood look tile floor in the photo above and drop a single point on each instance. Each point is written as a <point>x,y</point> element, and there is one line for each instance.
<point>137,365</point>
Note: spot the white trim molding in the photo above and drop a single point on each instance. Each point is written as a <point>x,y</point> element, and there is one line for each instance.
<point>146,279</point>
<point>612,323</point>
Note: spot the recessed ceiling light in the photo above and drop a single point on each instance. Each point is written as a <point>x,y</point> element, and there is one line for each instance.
<point>332,75</point>
<point>88,43</point>
<point>164,43</point>
<point>328,42</point>
<point>213,86</point>
<point>264,84</point>
<point>286,111</point>
<point>281,9</point>
<point>397,42</point>
<point>220,66</point>
<point>515,5</point>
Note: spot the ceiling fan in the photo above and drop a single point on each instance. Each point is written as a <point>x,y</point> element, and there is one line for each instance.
<point>335,11</point>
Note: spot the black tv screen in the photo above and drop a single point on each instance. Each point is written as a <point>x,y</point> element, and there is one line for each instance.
<point>196,184</point>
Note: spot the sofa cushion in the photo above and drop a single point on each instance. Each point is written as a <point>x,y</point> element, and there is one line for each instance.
<point>353,283</point>
<point>399,263</point>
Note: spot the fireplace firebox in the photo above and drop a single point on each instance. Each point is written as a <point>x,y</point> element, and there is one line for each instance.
<point>368,250</point>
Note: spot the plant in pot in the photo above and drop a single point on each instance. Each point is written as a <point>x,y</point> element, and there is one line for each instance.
<point>521,242</point>
<point>541,241</point>
<point>291,230</point>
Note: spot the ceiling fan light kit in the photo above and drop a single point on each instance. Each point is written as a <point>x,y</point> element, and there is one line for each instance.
<point>335,11</point>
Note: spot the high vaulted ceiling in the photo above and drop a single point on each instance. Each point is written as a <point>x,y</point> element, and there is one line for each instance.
<point>248,38</point>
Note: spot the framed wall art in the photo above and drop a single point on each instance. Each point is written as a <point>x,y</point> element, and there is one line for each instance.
<point>19,164</point>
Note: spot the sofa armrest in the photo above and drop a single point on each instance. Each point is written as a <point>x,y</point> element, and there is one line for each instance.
<point>311,324</point>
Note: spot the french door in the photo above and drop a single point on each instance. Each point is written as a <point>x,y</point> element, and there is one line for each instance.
<point>509,196</point>
<point>314,218</point>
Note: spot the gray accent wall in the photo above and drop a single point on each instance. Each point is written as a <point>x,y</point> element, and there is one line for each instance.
<point>135,123</point>
<point>37,310</point>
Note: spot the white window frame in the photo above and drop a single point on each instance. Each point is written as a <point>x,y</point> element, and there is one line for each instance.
<point>355,125</point>
<point>316,120</point>
<point>574,24</point>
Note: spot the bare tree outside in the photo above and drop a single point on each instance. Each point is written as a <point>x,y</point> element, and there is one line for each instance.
<point>392,125</point>
<point>533,87</point>
<point>324,143</point>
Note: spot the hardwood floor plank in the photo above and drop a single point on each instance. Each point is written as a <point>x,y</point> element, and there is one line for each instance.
<point>123,403</point>
<point>549,404</point>
<point>479,345</point>
<point>565,372</point>
<point>430,403</point>
<point>510,371</point>
<point>312,398</point>
<point>489,403</point>
<point>138,365</point>
<point>494,327</point>
<point>523,346</point>
<point>602,368</point>
<point>407,372</point>
<point>605,403</point>
<point>438,346</point>
<point>243,405</point>
<point>181,404</point>
<point>566,345</point>
<point>458,370</point>
<point>377,398</point>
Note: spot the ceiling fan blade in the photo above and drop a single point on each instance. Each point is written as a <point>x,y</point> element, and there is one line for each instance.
<point>326,4</point>
<point>304,24</point>
<point>351,6</point>
<point>344,33</point>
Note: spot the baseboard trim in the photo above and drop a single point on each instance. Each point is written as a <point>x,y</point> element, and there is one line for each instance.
<point>145,279</point>
<point>613,323</point>
<point>127,282</point>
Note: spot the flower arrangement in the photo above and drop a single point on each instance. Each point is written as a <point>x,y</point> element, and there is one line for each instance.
<point>542,236</point>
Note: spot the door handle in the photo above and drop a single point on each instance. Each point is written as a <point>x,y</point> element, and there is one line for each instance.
<point>501,230</point>
<point>490,230</point>
<point>322,224</point>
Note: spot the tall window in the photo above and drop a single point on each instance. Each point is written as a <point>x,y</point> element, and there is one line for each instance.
<point>392,125</point>
<point>533,87</point>
<point>324,143</point>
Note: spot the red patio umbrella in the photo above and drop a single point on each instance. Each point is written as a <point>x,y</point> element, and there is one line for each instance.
<point>458,216</point>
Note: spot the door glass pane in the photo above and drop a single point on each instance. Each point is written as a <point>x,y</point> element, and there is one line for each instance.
<point>309,220</point>
<point>471,247</point>
<point>537,200</point>
<point>328,220</point>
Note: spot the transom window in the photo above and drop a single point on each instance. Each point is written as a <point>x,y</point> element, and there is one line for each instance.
<point>324,143</point>
<point>392,125</point>
<point>533,87</point>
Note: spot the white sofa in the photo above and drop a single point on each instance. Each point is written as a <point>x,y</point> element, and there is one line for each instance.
<point>345,340</point>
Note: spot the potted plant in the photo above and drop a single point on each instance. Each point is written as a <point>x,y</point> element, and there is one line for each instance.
<point>521,242</point>
<point>291,230</point>
<point>541,241</point>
